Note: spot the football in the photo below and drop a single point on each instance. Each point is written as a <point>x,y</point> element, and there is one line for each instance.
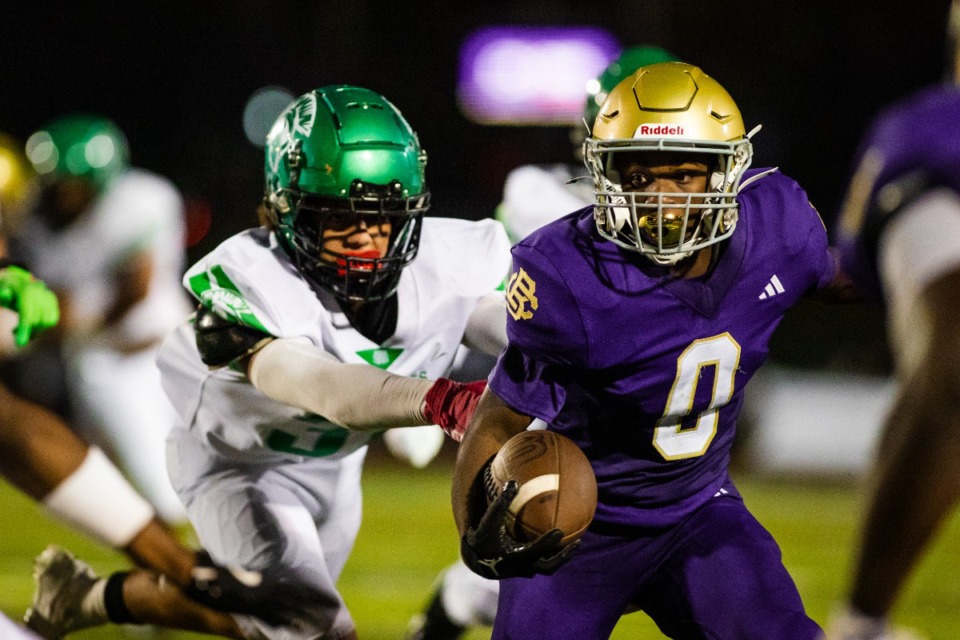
<point>557,487</point>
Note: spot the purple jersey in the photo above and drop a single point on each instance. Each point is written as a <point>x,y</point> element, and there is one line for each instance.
<point>646,371</point>
<point>917,138</point>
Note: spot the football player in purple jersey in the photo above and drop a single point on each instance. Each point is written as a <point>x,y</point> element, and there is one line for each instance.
<point>533,195</point>
<point>900,239</point>
<point>634,325</point>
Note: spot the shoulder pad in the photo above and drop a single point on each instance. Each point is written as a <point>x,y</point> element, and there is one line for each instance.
<point>220,341</point>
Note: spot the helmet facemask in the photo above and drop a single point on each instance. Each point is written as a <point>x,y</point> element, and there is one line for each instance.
<point>342,161</point>
<point>673,114</point>
<point>667,227</point>
<point>349,276</point>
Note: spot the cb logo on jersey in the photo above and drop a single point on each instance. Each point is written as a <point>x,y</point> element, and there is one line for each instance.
<point>521,296</point>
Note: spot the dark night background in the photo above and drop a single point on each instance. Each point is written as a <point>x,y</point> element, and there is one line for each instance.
<point>175,76</point>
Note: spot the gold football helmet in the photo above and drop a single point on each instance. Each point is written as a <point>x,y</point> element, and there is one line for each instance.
<point>676,108</point>
<point>16,182</point>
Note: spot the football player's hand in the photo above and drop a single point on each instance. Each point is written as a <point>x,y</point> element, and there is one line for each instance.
<point>493,553</point>
<point>272,598</point>
<point>451,404</point>
<point>31,299</point>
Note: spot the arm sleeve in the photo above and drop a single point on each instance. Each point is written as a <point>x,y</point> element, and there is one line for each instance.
<point>486,327</point>
<point>354,396</point>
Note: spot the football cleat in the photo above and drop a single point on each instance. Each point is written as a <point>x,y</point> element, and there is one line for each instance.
<point>434,623</point>
<point>63,582</point>
<point>848,624</point>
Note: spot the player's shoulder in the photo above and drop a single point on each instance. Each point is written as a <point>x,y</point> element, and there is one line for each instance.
<point>767,180</point>
<point>247,279</point>
<point>778,211</point>
<point>145,187</point>
<point>486,230</point>
<point>769,194</point>
<point>568,230</point>
<point>939,103</point>
<point>243,251</point>
<point>465,251</point>
<point>249,257</point>
<point>549,255</point>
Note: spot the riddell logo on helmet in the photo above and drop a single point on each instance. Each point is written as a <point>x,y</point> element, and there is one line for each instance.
<point>659,130</point>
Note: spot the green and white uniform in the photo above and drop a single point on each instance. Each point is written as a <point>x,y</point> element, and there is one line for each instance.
<point>116,393</point>
<point>267,485</point>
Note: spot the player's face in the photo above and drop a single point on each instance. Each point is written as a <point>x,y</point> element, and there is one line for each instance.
<point>361,236</point>
<point>667,179</point>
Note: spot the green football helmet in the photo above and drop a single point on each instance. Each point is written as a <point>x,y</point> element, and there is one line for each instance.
<point>88,147</point>
<point>345,151</point>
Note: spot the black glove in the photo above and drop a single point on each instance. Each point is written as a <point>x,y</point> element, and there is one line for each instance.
<point>493,553</point>
<point>274,599</point>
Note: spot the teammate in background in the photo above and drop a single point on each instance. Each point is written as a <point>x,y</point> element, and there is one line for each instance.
<point>533,195</point>
<point>109,240</point>
<point>37,310</point>
<point>900,235</point>
<point>324,326</point>
<point>633,328</point>
<point>77,484</point>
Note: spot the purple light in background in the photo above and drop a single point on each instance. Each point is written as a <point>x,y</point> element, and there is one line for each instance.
<point>530,75</point>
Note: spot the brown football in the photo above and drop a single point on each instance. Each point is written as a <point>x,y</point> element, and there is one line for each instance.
<point>557,487</point>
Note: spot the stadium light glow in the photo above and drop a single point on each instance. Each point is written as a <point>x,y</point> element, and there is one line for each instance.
<point>512,75</point>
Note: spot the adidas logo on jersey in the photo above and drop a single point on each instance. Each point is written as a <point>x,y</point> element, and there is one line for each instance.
<point>773,288</point>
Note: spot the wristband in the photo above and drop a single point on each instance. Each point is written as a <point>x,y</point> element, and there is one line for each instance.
<point>99,501</point>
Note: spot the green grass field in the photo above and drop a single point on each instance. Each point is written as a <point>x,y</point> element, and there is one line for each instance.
<point>408,536</point>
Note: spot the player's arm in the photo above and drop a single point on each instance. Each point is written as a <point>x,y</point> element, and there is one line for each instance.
<point>920,445</point>
<point>492,424</point>
<point>840,288</point>
<point>132,282</point>
<point>918,452</point>
<point>485,546</point>
<point>486,329</point>
<point>355,396</point>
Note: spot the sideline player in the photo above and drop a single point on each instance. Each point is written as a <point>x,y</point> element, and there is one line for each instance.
<point>638,348</point>
<point>533,195</point>
<point>900,234</point>
<point>77,484</point>
<point>108,239</point>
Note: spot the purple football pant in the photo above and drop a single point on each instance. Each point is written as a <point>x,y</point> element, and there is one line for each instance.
<point>716,575</point>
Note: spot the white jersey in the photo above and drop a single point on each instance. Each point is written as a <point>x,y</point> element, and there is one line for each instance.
<point>137,211</point>
<point>249,279</point>
<point>534,195</point>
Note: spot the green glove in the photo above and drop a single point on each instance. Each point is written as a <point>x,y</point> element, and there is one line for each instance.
<point>37,305</point>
